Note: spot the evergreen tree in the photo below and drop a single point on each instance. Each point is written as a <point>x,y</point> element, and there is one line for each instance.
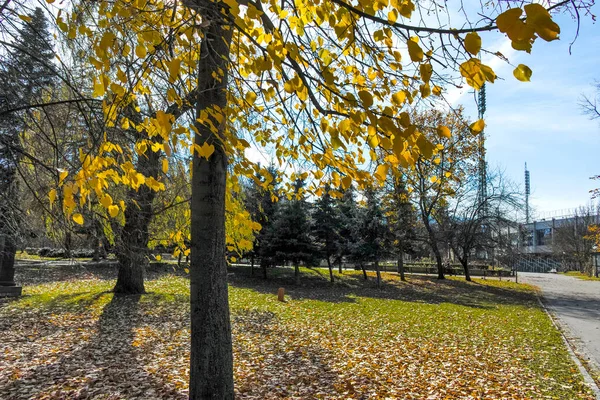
<point>289,240</point>
<point>326,227</point>
<point>26,75</point>
<point>347,210</point>
<point>401,219</point>
<point>370,233</point>
<point>262,203</point>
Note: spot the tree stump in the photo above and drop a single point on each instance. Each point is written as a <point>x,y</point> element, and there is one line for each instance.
<point>281,294</point>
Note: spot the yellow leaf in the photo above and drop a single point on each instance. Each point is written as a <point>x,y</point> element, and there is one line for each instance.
<point>106,200</point>
<point>381,172</point>
<point>205,150</point>
<point>473,43</point>
<point>250,97</point>
<point>165,165</point>
<point>414,50</point>
<point>444,131</point>
<point>393,16</point>
<point>140,51</point>
<point>366,98</point>
<point>399,98</point>
<point>346,182</point>
<point>78,218</point>
<point>522,73</point>
<point>187,271</point>
<point>426,71</point>
<point>477,126</point>
<point>541,22</point>
<point>158,257</point>
<point>373,141</point>
<point>62,174</point>
<point>99,88</point>
<point>52,196</point>
<point>113,211</point>
<point>174,67</point>
<point>25,18</point>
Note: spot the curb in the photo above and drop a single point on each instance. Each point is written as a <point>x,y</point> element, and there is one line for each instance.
<point>587,378</point>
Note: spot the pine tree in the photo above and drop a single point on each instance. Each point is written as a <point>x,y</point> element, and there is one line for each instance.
<point>26,75</point>
<point>290,240</point>
<point>370,232</point>
<point>347,210</point>
<point>326,227</point>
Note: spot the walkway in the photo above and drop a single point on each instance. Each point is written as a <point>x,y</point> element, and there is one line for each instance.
<point>576,304</point>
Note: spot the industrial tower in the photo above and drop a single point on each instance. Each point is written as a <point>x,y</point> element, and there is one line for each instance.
<point>482,168</point>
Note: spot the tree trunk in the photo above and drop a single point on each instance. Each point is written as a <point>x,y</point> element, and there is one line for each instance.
<point>465,264</point>
<point>340,262</point>
<point>211,358</point>
<point>401,265</point>
<point>263,266</point>
<point>438,260</point>
<point>252,265</point>
<point>132,245</point>
<point>8,250</point>
<point>364,271</point>
<point>378,273</point>
<point>297,273</point>
<point>434,247</point>
<point>330,269</point>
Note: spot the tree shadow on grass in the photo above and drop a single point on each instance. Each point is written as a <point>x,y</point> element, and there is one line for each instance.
<point>30,272</point>
<point>315,285</point>
<point>98,360</point>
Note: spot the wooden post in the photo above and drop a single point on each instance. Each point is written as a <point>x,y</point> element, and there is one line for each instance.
<point>281,294</point>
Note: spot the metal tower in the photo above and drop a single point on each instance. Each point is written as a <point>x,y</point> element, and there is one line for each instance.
<point>527,193</point>
<point>482,168</point>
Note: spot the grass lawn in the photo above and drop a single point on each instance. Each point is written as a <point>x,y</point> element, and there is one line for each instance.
<point>70,338</point>
<point>583,276</point>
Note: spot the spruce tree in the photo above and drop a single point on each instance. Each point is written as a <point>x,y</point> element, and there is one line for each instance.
<point>326,227</point>
<point>290,240</point>
<point>26,75</point>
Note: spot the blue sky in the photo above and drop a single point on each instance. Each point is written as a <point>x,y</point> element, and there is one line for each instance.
<point>540,122</point>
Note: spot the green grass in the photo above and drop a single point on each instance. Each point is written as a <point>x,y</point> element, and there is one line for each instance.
<point>486,339</point>
<point>582,276</point>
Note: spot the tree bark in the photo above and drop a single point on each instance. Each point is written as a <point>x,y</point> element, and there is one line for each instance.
<point>438,260</point>
<point>8,250</point>
<point>378,273</point>
<point>297,273</point>
<point>401,265</point>
<point>364,271</point>
<point>211,358</point>
<point>252,265</point>
<point>340,266</point>
<point>465,264</point>
<point>132,246</point>
<point>330,269</point>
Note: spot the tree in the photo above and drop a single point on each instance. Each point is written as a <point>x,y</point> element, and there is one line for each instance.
<point>401,218</point>
<point>262,203</point>
<point>572,240</point>
<point>289,240</point>
<point>348,212</point>
<point>370,233</point>
<point>26,78</point>
<point>326,227</point>
<point>471,221</point>
<point>325,72</point>
<point>434,180</point>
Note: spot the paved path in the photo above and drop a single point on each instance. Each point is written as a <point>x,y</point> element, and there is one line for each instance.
<point>576,303</point>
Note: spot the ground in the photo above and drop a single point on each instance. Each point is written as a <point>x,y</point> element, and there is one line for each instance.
<point>576,304</point>
<point>69,337</point>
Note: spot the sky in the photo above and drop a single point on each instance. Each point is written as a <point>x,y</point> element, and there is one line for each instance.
<point>540,122</point>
